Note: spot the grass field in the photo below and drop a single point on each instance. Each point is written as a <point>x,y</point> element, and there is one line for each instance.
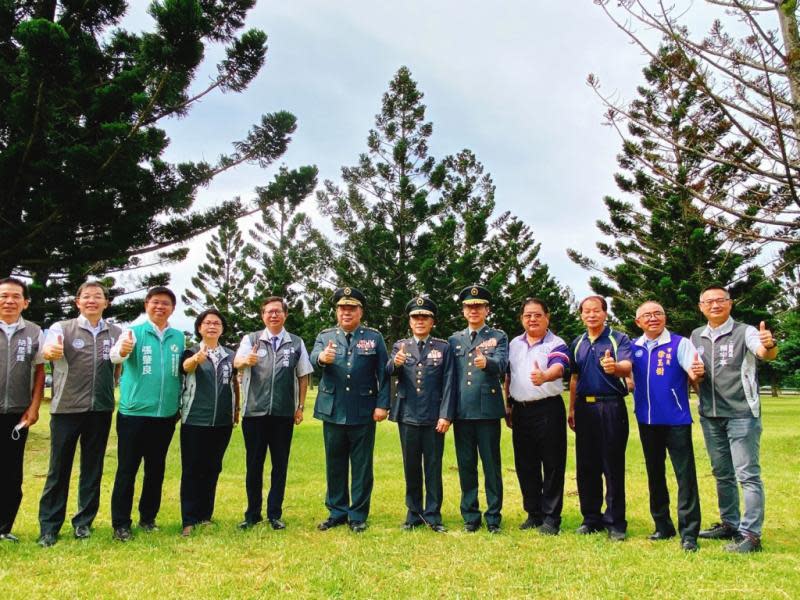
<point>219,561</point>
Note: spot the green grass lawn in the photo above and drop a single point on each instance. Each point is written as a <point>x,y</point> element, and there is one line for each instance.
<point>219,561</point>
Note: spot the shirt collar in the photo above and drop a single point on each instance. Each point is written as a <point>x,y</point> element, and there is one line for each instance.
<point>154,326</point>
<point>524,339</point>
<point>606,332</point>
<point>662,339</point>
<point>423,340</point>
<point>84,322</point>
<point>726,327</point>
<point>267,335</point>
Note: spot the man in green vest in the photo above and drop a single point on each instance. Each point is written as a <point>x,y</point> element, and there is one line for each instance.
<point>149,398</point>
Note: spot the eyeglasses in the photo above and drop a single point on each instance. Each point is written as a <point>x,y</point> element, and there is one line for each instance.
<point>656,314</point>
<point>532,316</point>
<point>212,323</point>
<point>713,301</point>
<point>273,312</point>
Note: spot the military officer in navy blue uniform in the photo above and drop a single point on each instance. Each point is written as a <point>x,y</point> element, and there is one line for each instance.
<point>424,407</point>
<point>353,395</point>
<point>480,355</point>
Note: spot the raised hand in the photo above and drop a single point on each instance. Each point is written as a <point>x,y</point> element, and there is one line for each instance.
<point>328,355</point>
<point>537,375</point>
<point>126,347</point>
<point>765,336</point>
<point>201,355</point>
<point>400,357</point>
<point>480,359</point>
<point>698,369</point>
<point>56,351</point>
<point>252,358</point>
<point>608,363</point>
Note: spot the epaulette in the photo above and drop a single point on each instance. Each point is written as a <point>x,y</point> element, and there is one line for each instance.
<point>328,330</point>
<point>370,329</point>
<point>435,339</point>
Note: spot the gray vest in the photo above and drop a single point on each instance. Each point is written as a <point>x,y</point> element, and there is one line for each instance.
<point>17,356</point>
<point>270,387</point>
<point>83,380</point>
<point>730,386</point>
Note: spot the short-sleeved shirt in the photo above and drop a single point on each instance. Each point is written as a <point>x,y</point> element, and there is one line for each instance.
<point>548,351</point>
<point>585,354</point>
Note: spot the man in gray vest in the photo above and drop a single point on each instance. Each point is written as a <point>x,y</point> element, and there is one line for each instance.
<point>730,415</point>
<point>274,383</point>
<point>21,387</point>
<point>83,401</point>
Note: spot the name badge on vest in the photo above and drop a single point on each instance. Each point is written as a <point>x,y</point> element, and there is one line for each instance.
<point>226,374</point>
<point>78,344</point>
<point>107,349</point>
<point>24,348</point>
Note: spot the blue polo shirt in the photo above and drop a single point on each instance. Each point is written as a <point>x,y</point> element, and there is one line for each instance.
<point>585,355</point>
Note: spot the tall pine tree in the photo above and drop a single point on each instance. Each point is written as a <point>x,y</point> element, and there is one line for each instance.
<point>223,282</point>
<point>291,258</point>
<point>664,248</point>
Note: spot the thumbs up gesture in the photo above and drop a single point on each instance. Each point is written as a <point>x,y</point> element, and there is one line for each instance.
<point>537,375</point>
<point>698,369</point>
<point>201,355</point>
<point>400,357</point>
<point>252,358</point>
<point>480,359</point>
<point>55,351</point>
<point>127,344</point>
<point>765,336</point>
<point>328,355</point>
<point>608,363</point>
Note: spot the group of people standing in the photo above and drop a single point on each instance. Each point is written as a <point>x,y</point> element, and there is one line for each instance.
<point>472,381</point>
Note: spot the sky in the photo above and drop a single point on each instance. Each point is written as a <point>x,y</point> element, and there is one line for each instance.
<point>506,79</point>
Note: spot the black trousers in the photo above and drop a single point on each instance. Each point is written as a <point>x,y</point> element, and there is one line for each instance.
<point>348,447</point>
<point>66,431</point>
<point>539,436</point>
<point>657,440</point>
<point>601,436</point>
<point>202,450</point>
<point>12,453</point>
<point>262,434</point>
<point>423,448</point>
<point>140,439</point>
<point>474,437</point>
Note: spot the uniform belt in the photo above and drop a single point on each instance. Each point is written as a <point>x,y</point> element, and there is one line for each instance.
<point>536,401</point>
<point>593,399</point>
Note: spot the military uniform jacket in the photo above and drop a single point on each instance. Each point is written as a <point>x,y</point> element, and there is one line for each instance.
<point>425,390</point>
<point>356,383</point>
<point>480,391</point>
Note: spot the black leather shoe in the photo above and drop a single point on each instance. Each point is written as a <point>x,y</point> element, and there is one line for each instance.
<point>409,526</point>
<point>330,524</point>
<point>277,524</point>
<point>123,534</point>
<point>83,532</point>
<point>438,528</point>
<point>472,526</point>
<point>9,537</point>
<point>548,529</point>
<point>689,545</point>
<point>658,536</point>
<point>358,526</point>
<point>247,524</point>
<point>148,526</point>
<point>530,523</point>
<point>47,539</point>
<point>719,531</point>
<point>615,535</point>
<point>587,530</point>
<point>493,528</point>
<point>744,545</point>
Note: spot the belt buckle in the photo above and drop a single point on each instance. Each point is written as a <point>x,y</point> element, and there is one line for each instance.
<point>591,399</point>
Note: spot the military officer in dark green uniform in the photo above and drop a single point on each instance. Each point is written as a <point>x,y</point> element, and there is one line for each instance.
<point>424,407</point>
<point>353,395</point>
<point>481,357</point>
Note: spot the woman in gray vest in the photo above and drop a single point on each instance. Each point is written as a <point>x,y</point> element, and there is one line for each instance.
<point>209,408</point>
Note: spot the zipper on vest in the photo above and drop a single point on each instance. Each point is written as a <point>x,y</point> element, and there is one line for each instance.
<point>675,394</point>
<point>272,380</point>
<point>713,379</point>
<point>161,391</point>
<point>94,365</point>
<point>649,356</point>
<point>8,368</point>
<point>216,393</point>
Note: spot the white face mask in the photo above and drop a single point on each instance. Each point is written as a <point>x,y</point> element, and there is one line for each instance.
<point>17,428</point>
